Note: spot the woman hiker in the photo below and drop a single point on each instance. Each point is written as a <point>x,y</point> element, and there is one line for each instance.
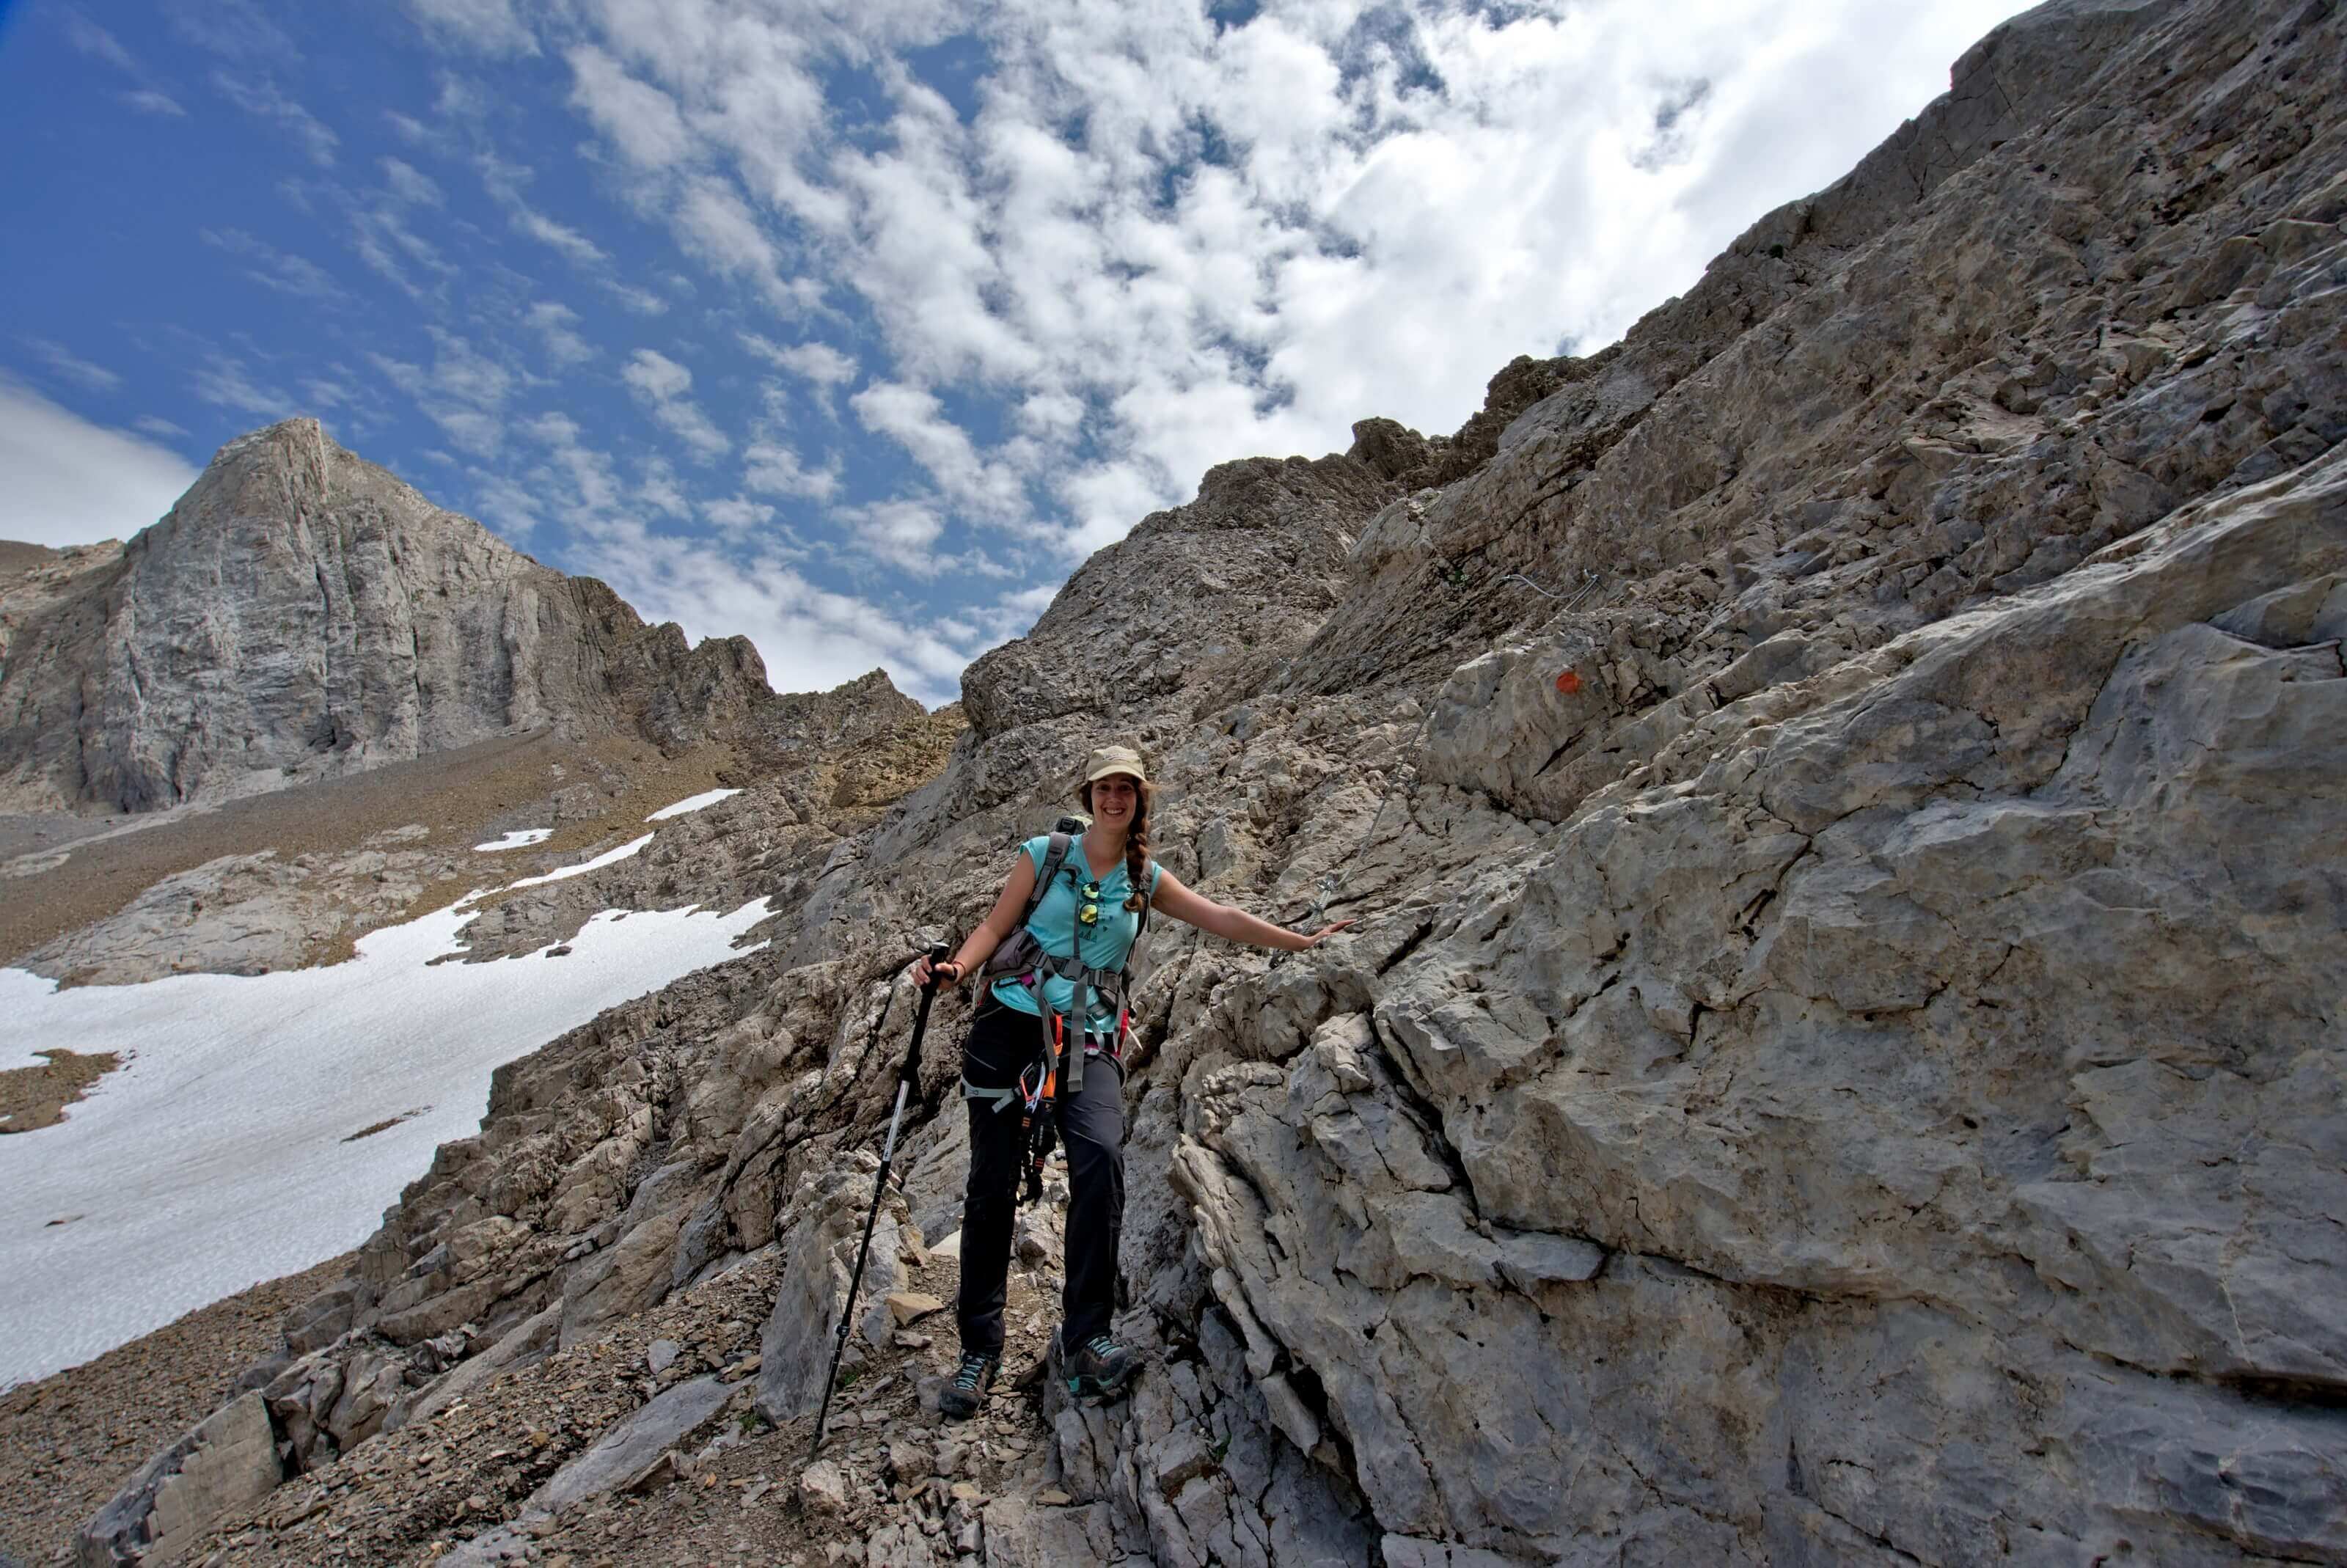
<point>1086,918</point>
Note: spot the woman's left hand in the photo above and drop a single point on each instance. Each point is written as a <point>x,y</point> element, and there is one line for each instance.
<point>1323,934</point>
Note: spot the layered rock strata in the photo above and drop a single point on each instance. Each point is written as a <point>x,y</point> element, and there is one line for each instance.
<point>1840,1060</point>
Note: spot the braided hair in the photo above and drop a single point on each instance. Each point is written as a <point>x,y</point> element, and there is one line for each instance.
<point>1136,842</point>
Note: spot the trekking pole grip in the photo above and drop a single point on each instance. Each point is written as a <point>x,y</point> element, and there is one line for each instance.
<point>910,1075</point>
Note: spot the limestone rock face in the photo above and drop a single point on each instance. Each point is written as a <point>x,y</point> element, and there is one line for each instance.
<point>1193,599</point>
<point>301,614</point>
<point>1840,1057</point>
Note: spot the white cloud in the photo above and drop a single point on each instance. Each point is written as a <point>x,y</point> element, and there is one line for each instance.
<point>73,367</point>
<point>817,363</point>
<point>73,482</point>
<point>489,26</point>
<point>657,376</point>
<point>714,224</point>
<point>225,382</point>
<point>659,490</point>
<point>570,242</point>
<point>737,516</point>
<point>98,44</point>
<point>279,269</point>
<point>464,392</point>
<point>660,384</point>
<point>155,425</point>
<point>644,301</point>
<point>149,101</point>
<point>641,120</point>
<point>558,325</point>
<point>1260,233</point>
<point>915,419</point>
<point>263,100</point>
<point>810,638</point>
<point>773,468</point>
<point>903,532</point>
<point>505,181</point>
<point>411,184</point>
<point>235,28</point>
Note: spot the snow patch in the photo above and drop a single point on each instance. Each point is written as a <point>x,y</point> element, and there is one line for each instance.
<point>520,838</point>
<point>218,1156</point>
<point>692,803</point>
<point>609,857</point>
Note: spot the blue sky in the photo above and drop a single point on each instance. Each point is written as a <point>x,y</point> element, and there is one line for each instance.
<point>856,327</point>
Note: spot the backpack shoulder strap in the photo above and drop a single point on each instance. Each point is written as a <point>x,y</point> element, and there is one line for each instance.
<point>1054,856</point>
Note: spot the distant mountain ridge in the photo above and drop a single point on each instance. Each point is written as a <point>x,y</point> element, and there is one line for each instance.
<point>301,614</point>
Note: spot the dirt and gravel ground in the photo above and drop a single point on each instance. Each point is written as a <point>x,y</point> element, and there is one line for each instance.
<point>65,879</point>
<point>413,1496</point>
<point>34,1097</point>
<point>68,1441</point>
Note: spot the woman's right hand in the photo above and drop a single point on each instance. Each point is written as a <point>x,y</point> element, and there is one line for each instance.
<point>947,973</point>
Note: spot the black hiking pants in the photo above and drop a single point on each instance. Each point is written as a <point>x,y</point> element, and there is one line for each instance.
<point>1002,1040</point>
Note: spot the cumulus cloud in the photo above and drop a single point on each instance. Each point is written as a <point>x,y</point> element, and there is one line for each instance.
<point>1254,234</point>
<point>1147,238</point>
<point>641,120</point>
<point>913,418</point>
<point>737,516</point>
<point>771,467</point>
<point>73,482</point>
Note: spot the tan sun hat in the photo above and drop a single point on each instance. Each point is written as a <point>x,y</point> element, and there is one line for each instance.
<point>1114,760</point>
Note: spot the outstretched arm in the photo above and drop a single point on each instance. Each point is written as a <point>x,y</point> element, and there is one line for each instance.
<point>1222,920</point>
<point>999,922</point>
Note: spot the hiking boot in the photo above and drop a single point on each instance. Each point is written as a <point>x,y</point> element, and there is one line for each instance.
<point>961,1397</point>
<point>1102,1368</point>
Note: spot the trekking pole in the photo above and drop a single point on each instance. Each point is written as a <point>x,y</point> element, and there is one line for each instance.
<point>907,1077</point>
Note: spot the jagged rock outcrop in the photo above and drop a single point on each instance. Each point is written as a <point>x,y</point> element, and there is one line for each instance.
<point>301,614</point>
<point>1215,593</point>
<point>1840,1060</point>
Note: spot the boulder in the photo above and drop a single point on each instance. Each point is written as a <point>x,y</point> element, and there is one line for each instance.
<point>227,1462</point>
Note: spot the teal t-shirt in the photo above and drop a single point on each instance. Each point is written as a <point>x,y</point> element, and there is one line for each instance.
<point>1102,945</point>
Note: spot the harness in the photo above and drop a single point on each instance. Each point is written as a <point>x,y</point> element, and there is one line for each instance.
<point>1024,961</point>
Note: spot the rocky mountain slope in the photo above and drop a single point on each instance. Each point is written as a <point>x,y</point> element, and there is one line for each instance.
<point>1841,1059</point>
<point>301,614</point>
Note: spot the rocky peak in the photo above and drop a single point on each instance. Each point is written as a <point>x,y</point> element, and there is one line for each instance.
<point>300,613</point>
